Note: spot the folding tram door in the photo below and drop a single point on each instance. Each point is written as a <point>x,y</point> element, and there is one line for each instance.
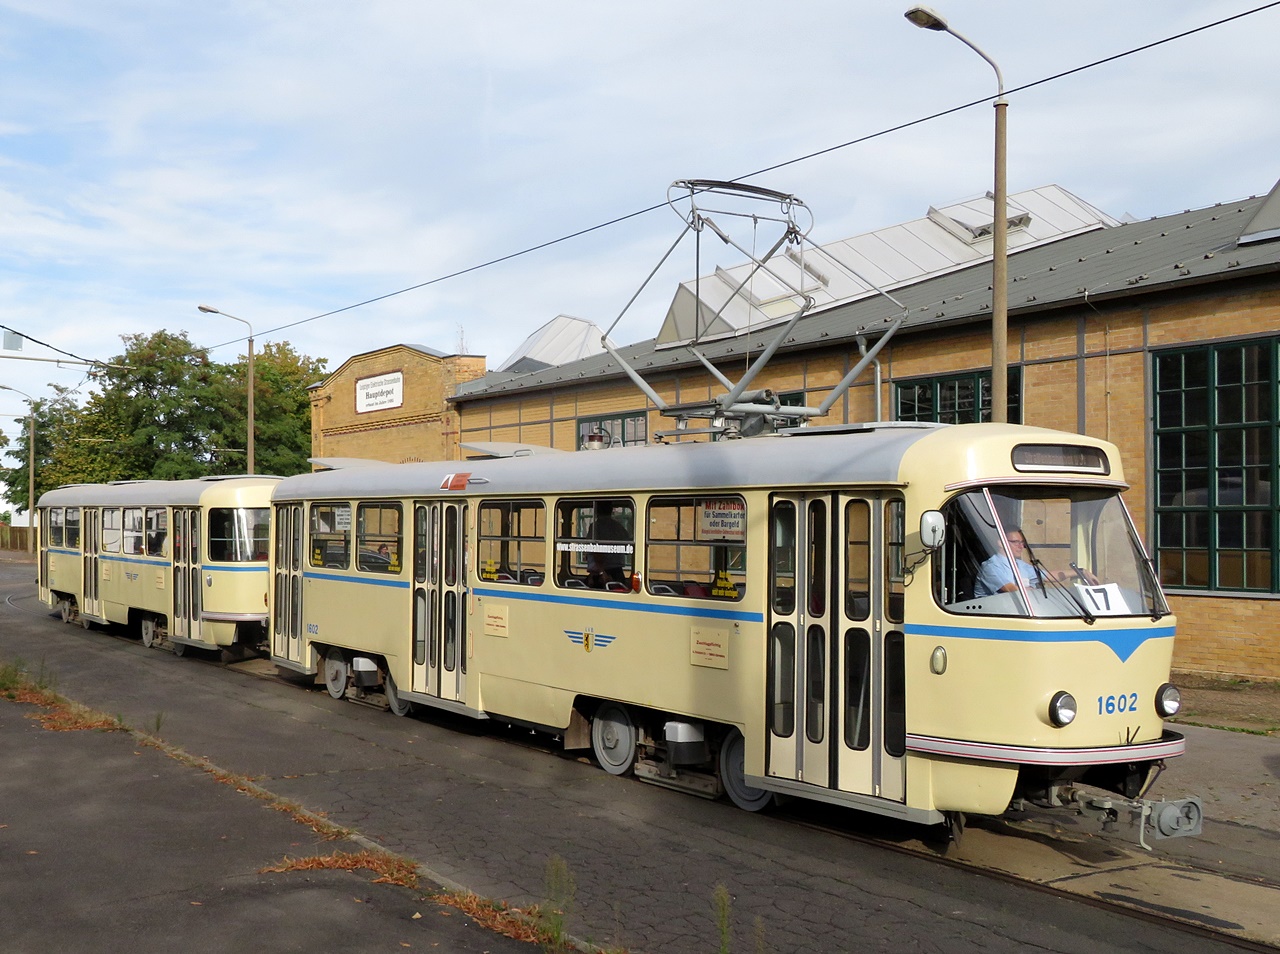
<point>185,623</point>
<point>90,537</point>
<point>836,703</point>
<point>439,599</point>
<point>286,584</point>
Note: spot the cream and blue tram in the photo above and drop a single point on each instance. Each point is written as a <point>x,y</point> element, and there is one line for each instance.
<point>184,562</point>
<point>798,614</point>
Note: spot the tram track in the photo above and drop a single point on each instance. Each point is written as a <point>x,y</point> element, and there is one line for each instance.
<point>1182,920</point>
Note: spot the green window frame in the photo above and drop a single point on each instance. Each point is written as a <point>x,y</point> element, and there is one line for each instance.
<point>615,430</point>
<point>955,398</point>
<point>1215,430</point>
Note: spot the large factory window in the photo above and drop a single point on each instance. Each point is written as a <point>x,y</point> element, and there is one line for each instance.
<point>617,430</point>
<point>1215,467</point>
<point>955,398</point>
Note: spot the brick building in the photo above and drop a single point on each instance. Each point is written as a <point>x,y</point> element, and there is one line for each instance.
<point>391,404</point>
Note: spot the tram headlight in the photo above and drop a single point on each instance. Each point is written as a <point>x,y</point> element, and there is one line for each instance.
<point>1168,700</point>
<point>1062,708</point>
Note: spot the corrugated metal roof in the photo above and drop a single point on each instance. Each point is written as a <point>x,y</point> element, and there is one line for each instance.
<point>1135,258</point>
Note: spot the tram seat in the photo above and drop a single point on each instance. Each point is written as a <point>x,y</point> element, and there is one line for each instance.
<point>858,606</point>
<point>573,583</point>
<point>505,578</point>
<point>661,589</point>
<point>613,586</point>
<point>532,579</point>
<point>696,589</point>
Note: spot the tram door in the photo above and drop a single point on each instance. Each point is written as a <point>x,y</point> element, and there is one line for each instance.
<point>836,704</point>
<point>287,583</point>
<point>185,623</point>
<point>90,599</point>
<point>439,599</point>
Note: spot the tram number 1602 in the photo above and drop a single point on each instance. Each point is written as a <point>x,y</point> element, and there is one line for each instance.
<point>1110,705</point>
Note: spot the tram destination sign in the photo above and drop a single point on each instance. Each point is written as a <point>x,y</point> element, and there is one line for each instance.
<point>380,392</point>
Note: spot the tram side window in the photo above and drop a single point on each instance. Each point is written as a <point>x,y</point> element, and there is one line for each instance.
<point>157,531</point>
<point>331,535</point>
<point>782,558</point>
<point>378,537</point>
<point>697,547</point>
<point>72,533</point>
<point>595,543</point>
<point>238,534</point>
<point>895,531</point>
<point>513,541</point>
<point>110,530</point>
<point>133,530</point>
<point>55,526</point>
<point>857,563</point>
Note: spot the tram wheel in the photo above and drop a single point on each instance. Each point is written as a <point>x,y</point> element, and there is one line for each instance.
<point>398,706</point>
<point>733,775</point>
<point>64,607</point>
<point>336,671</point>
<point>85,623</point>
<point>148,629</point>
<point>613,739</point>
<point>179,649</point>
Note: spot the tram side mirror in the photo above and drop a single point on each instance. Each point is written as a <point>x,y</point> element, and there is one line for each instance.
<point>933,530</point>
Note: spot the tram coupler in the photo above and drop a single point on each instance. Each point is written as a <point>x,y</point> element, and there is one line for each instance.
<point>1157,818</point>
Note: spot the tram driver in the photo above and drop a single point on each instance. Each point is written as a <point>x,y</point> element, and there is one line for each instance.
<point>999,573</point>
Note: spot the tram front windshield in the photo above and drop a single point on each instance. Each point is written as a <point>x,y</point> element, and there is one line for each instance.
<point>1043,552</point>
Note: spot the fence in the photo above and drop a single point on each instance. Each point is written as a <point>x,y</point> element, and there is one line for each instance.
<point>13,538</point>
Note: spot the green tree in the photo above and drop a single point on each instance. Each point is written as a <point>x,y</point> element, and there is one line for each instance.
<point>62,453</point>
<point>281,410</point>
<point>161,397</point>
<point>162,411</point>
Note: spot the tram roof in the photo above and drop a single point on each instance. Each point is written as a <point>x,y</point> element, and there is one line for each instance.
<point>146,493</point>
<point>871,454</point>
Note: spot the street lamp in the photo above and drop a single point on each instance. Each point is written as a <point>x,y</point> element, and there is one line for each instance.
<point>31,468</point>
<point>213,311</point>
<point>928,19</point>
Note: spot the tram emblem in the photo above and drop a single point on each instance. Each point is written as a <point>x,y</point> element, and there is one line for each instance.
<point>588,639</point>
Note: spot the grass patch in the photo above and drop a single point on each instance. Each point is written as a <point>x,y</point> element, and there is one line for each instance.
<point>58,714</point>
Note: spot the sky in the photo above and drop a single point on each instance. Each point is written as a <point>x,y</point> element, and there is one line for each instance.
<point>284,159</point>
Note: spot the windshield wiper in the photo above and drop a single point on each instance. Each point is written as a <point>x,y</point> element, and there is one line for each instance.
<point>1085,615</point>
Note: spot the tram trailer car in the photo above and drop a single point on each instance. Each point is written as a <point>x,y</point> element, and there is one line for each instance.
<point>797,614</point>
<point>185,562</point>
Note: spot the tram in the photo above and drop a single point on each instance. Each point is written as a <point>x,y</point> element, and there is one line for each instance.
<point>810,613</point>
<point>184,562</point>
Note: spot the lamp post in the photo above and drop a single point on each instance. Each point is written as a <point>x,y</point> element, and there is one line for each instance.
<point>31,467</point>
<point>928,19</point>
<point>249,445</point>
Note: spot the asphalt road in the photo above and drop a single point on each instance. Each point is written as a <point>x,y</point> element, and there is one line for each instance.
<point>483,811</point>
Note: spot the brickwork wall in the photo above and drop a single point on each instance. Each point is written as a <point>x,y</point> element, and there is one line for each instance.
<point>424,427</point>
